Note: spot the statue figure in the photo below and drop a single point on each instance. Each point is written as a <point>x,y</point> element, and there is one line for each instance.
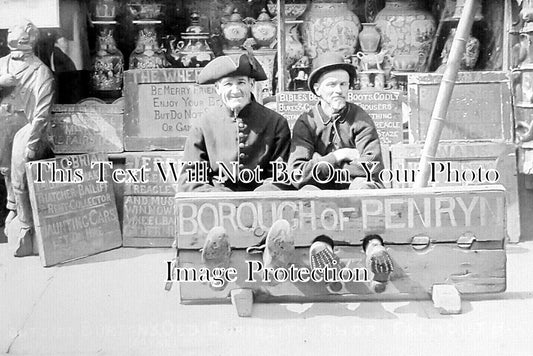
<point>26,93</point>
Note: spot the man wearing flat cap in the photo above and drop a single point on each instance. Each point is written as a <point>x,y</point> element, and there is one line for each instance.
<point>242,133</point>
<point>338,135</point>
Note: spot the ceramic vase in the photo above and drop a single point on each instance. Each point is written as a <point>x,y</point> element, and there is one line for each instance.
<point>330,27</point>
<point>406,29</point>
<point>369,38</point>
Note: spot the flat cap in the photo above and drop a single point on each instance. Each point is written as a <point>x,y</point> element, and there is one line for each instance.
<point>231,66</point>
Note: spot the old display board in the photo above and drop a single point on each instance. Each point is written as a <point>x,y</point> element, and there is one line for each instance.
<point>480,107</point>
<point>149,217</point>
<point>160,105</point>
<point>478,162</point>
<point>88,127</point>
<point>463,230</point>
<point>74,219</point>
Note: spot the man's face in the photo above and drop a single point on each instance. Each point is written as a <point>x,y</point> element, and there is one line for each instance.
<point>235,92</point>
<point>332,89</point>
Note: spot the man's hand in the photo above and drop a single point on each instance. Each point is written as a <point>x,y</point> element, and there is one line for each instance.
<point>29,154</point>
<point>346,155</point>
<point>8,80</point>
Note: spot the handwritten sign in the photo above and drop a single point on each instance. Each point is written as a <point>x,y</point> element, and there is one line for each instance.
<point>160,109</point>
<point>396,214</point>
<point>149,217</point>
<point>384,107</point>
<point>84,128</point>
<point>72,219</point>
<point>480,107</point>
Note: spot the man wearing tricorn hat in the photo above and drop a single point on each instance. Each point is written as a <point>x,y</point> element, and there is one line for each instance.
<point>338,135</point>
<point>242,134</point>
<point>26,93</point>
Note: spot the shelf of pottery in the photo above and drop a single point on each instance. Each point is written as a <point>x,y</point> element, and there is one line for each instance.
<point>400,39</point>
<point>190,49</point>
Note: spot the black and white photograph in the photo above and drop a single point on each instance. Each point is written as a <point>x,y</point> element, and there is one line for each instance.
<point>266,177</point>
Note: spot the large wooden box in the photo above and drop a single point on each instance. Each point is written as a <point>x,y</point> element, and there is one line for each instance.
<point>444,217</point>
<point>91,126</point>
<point>479,109</point>
<point>485,158</point>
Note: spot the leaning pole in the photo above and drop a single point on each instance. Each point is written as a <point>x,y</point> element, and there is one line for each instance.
<point>438,116</point>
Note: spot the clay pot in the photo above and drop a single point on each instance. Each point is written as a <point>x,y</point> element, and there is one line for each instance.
<point>235,31</point>
<point>406,29</point>
<point>406,62</point>
<point>193,50</point>
<point>263,30</point>
<point>330,27</point>
<point>369,38</point>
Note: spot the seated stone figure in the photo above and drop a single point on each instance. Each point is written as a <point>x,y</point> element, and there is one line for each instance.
<point>26,93</point>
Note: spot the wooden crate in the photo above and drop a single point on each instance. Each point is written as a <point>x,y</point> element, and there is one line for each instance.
<point>88,127</point>
<point>479,110</point>
<point>149,217</point>
<point>464,157</point>
<point>402,217</point>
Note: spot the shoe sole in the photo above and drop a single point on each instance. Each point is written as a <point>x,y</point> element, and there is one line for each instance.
<point>321,255</point>
<point>279,246</point>
<point>216,252</point>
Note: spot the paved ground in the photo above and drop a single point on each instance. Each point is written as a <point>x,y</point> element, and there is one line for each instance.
<point>115,303</point>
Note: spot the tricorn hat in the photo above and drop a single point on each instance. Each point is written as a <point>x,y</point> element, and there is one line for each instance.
<point>231,66</point>
<point>327,62</point>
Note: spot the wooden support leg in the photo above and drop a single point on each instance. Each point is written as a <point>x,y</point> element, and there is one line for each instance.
<point>446,299</point>
<point>243,300</point>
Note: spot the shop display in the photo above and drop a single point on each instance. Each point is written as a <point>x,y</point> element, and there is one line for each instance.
<point>147,53</point>
<point>108,62</point>
<point>263,30</point>
<point>193,50</point>
<point>235,31</point>
<point>330,27</point>
<point>406,31</point>
<point>470,56</point>
<point>105,10</point>
<point>371,73</point>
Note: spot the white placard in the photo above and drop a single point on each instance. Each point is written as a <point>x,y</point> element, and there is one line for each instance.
<point>43,13</point>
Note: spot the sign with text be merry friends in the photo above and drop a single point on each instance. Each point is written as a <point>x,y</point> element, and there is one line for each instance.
<point>73,219</point>
<point>160,105</point>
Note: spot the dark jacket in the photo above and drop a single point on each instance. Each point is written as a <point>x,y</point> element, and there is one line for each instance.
<point>255,138</point>
<point>314,140</point>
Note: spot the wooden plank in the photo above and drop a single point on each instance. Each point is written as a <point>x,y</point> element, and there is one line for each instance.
<point>149,221</point>
<point>467,157</point>
<point>480,107</point>
<point>81,128</point>
<point>398,215</point>
<point>74,219</point>
<point>160,105</point>
<point>149,218</point>
<point>415,273</point>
